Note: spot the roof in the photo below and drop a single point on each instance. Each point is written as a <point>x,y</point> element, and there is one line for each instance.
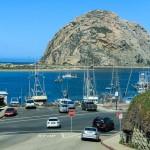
<point>53,118</point>
<point>3,93</point>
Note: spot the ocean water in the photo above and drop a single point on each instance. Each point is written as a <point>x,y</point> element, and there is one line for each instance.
<point>17,83</point>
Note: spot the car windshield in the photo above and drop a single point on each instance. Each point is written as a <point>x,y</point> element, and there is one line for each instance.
<point>70,103</point>
<point>102,119</point>
<point>90,103</point>
<point>30,101</point>
<point>10,109</point>
<point>90,129</point>
<point>63,105</point>
<point>53,120</point>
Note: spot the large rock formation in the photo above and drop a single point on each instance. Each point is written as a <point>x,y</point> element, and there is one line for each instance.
<point>100,37</point>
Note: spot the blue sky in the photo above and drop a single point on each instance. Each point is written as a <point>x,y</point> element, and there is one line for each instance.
<point>26,26</point>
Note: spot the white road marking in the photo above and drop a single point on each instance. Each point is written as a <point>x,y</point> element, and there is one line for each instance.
<point>62,135</point>
<point>46,135</point>
<point>70,135</point>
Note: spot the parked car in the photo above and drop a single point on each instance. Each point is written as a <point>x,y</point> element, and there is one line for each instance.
<point>30,104</point>
<point>10,111</point>
<point>53,122</point>
<point>103,124</point>
<point>88,106</point>
<point>70,104</point>
<point>90,133</point>
<point>63,108</point>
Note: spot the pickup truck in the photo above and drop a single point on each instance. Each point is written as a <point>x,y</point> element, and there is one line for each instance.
<point>30,104</point>
<point>88,106</point>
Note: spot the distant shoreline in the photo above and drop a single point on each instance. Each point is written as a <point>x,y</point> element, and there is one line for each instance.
<point>70,68</point>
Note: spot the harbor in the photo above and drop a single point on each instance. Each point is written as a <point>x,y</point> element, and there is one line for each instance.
<point>16,83</point>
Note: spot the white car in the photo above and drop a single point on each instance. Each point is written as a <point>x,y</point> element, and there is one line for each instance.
<point>30,104</point>
<point>63,108</point>
<point>90,133</point>
<point>70,104</point>
<point>53,122</point>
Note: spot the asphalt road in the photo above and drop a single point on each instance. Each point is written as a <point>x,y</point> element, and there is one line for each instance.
<point>29,127</point>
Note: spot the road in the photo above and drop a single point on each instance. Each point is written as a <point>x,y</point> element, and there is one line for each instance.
<point>28,130</point>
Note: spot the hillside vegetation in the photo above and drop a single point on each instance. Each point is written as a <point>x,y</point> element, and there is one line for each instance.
<point>138,114</point>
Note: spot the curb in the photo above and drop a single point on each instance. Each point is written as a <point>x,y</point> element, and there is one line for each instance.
<point>109,147</point>
<point>1,117</point>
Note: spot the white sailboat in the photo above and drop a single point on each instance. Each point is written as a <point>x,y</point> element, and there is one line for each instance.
<point>37,92</point>
<point>113,92</point>
<point>143,83</point>
<point>89,87</point>
<point>65,97</point>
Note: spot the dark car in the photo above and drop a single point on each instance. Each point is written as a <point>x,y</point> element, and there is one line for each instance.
<point>10,112</point>
<point>88,106</point>
<point>103,124</point>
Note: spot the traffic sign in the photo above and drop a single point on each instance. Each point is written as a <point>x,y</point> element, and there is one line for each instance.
<point>119,115</point>
<point>71,112</point>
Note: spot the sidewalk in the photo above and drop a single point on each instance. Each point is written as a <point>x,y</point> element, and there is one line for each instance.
<point>112,108</point>
<point>112,143</point>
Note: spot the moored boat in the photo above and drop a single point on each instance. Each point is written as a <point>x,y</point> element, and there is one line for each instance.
<point>37,90</point>
<point>69,75</point>
<point>89,87</point>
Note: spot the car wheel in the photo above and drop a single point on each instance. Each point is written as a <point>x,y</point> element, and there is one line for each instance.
<point>98,139</point>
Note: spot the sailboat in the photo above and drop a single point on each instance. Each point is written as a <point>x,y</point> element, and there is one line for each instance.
<point>65,97</point>
<point>37,92</point>
<point>113,92</point>
<point>58,79</point>
<point>143,83</point>
<point>89,87</point>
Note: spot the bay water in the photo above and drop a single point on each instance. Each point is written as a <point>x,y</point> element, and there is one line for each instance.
<point>16,83</point>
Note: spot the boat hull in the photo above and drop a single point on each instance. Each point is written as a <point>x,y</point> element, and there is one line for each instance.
<point>40,99</point>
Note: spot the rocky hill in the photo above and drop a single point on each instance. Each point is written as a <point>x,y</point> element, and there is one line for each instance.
<point>101,37</point>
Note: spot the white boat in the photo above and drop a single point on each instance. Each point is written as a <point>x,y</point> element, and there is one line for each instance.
<point>89,87</point>
<point>143,83</point>
<point>69,75</point>
<point>37,93</point>
<point>3,98</point>
<point>65,98</point>
<point>113,92</point>
<point>28,96</point>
